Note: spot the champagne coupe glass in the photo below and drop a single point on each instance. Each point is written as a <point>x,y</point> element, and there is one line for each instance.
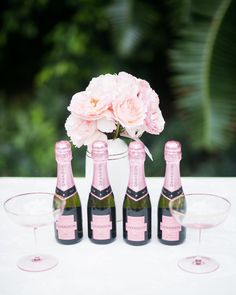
<point>201,211</point>
<point>35,210</point>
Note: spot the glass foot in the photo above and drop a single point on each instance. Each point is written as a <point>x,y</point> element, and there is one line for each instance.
<point>198,264</point>
<point>36,263</point>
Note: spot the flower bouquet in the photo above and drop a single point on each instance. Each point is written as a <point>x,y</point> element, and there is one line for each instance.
<point>113,106</point>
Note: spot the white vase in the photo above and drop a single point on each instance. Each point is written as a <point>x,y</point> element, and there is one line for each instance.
<point>118,171</point>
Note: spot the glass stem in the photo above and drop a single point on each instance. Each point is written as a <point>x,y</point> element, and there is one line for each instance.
<point>36,256</point>
<point>198,258</point>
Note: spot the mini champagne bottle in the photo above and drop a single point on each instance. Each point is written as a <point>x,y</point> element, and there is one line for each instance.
<point>68,228</point>
<point>101,204</point>
<point>137,204</point>
<point>169,231</point>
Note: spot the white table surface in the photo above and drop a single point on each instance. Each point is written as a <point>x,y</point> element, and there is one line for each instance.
<point>117,268</point>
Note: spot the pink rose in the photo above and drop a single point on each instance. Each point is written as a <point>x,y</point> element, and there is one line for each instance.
<point>129,112</point>
<point>106,125</point>
<point>128,109</point>
<point>146,93</point>
<point>103,86</point>
<point>82,131</point>
<point>154,122</point>
<point>127,86</point>
<point>90,106</point>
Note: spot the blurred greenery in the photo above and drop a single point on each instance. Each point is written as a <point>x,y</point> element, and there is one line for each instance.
<point>50,50</point>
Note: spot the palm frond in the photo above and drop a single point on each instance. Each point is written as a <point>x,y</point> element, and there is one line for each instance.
<point>130,20</point>
<point>204,63</point>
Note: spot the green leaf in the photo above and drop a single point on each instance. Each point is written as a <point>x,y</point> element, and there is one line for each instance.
<point>204,63</point>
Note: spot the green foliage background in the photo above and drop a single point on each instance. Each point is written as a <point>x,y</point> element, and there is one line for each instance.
<point>186,49</point>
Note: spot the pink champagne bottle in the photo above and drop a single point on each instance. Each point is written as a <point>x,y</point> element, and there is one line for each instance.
<point>137,204</point>
<point>68,228</point>
<point>101,204</point>
<point>169,231</point>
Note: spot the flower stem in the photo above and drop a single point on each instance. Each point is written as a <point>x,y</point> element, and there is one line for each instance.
<point>117,132</point>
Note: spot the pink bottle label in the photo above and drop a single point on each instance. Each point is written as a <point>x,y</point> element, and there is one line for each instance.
<point>101,227</point>
<point>66,227</point>
<point>136,228</point>
<point>170,228</point>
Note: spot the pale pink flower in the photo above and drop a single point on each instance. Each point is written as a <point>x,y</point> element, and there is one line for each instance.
<point>146,93</point>
<point>129,112</point>
<point>106,125</point>
<point>154,122</point>
<point>90,106</point>
<point>127,86</point>
<point>104,86</point>
<point>79,130</point>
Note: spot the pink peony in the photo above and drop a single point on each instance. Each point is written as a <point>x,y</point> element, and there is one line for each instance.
<point>154,122</point>
<point>106,125</point>
<point>146,93</point>
<point>90,106</point>
<point>128,109</point>
<point>103,86</point>
<point>127,86</point>
<point>81,131</point>
<point>129,112</point>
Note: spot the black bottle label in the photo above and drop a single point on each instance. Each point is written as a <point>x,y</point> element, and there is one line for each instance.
<point>101,194</point>
<point>169,231</point>
<point>137,196</point>
<point>171,195</point>
<point>66,194</point>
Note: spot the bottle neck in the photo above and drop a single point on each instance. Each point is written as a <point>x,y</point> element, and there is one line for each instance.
<point>172,176</point>
<point>137,175</point>
<point>100,175</point>
<point>64,176</point>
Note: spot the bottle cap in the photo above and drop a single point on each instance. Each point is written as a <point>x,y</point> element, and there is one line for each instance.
<point>100,150</point>
<point>63,151</point>
<point>136,150</point>
<point>173,151</point>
